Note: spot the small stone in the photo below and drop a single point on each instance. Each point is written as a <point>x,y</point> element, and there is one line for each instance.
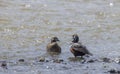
<point>113,71</point>
<point>91,61</point>
<point>106,60</point>
<point>41,59</point>
<point>58,60</point>
<point>61,60</point>
<point>117,60</point>
<point>105,66</point>
<point>4,64</point>
<point>65,63</point>
<point>118,72</point>
<point>87,67</point>
<point>76,59</point>
<point>21,60</point>
<point>47,60</point>
<point>65,68</point>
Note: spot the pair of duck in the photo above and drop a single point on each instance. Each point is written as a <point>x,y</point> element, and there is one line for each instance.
<point>77,48</point>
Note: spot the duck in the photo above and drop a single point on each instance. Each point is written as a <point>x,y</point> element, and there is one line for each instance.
<point>77,49</point>
<point>53,45</point>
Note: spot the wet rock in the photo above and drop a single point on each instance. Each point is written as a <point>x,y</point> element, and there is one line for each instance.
<point>91,61</point>
<point>65,68</point>
<point>47,61</point>
<point>113,71</point>
<point>118,72</point>
<point>106,60</point>
<point>4,64</point>
<point>58,60</point>
<point>87,67</point>
<point>42,59</point>
<point>104,66</point>
<point>65,63</point>
<point>117,60</point>
<point>21,60</point>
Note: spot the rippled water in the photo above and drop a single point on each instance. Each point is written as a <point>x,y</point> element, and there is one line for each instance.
<point>26,27</point>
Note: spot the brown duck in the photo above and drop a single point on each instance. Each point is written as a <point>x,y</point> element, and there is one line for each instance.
<point>77,48</point>
<point>53,46</point>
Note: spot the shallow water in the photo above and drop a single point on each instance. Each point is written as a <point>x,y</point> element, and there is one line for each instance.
<point>26,27</point>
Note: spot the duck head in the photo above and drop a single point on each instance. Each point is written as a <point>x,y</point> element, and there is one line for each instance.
<point>54,39</point>
<point>75,38</point>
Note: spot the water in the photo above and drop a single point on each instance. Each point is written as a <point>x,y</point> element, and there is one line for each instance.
<point>26,27</point>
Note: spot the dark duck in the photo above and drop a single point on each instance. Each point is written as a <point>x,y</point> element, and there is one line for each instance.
<point>53,46</point>
<point>77,48</point>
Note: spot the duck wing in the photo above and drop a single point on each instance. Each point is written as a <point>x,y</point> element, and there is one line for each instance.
<point>80,48</point>
<point>53,47</point>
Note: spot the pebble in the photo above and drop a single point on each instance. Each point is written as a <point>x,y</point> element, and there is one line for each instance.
<point>117,60</point>
<point>91,61</point>
<point>58,60</point>
<point>21,60</point>
<point>42,59</point>
<point>47,60</point>
<point>113,71</point>
<point>106,60</point>
<point>4,64</point>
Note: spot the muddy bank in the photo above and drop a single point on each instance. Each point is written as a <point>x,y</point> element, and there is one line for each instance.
<point>46,65</point>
